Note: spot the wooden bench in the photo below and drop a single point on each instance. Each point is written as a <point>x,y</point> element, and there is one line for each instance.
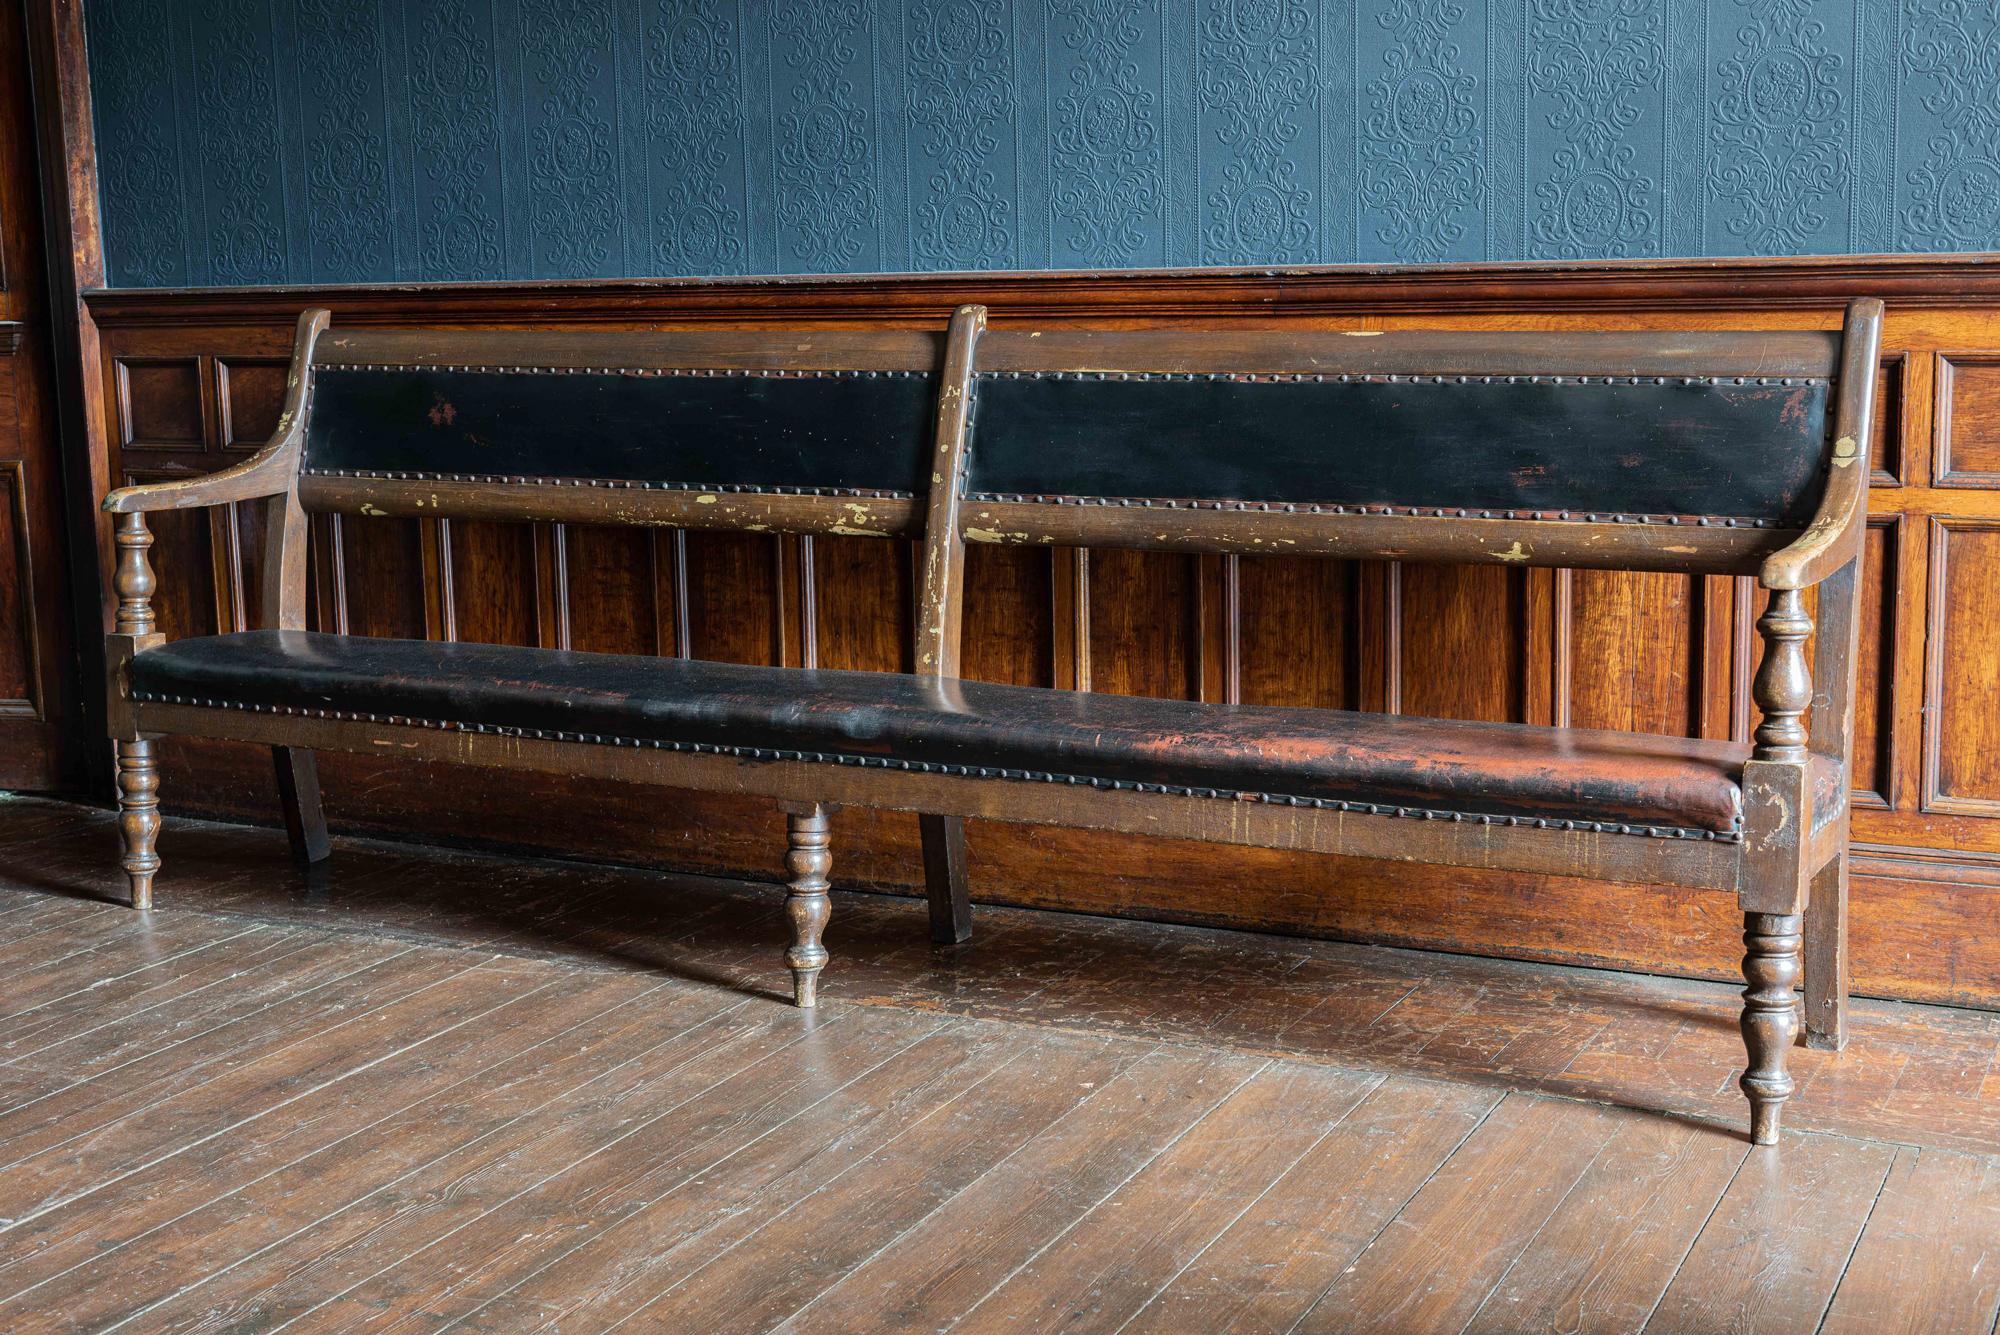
<point>1716,453</point>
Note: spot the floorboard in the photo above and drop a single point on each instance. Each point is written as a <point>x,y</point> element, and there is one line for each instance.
<point>414,1090</point>
<point>1268,1268</point>
<point>1107,1266</point>
<point>1930,1257</point>
<point>1445,1250</point>
<point>1774,1251</point>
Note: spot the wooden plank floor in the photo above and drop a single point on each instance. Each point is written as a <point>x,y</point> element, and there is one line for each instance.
<point>418,1091</point>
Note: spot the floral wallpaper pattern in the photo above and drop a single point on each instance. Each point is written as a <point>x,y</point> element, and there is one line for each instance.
<point>325,141</point>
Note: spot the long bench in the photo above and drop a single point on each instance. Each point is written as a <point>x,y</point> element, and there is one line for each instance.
<point>1716,453</point>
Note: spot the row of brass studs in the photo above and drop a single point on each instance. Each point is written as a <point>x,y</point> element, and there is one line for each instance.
<point>1380,378</point>
<point>613,484</point>
<point>965,771</point>
<point>1412,511</point>
<point>651,372</point>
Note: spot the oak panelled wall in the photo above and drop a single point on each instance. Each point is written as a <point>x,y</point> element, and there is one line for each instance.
<point>193,379</point>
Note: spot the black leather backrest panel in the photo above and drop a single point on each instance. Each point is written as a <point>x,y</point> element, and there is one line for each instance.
<point>1726,448</point>
<point>864,431</point>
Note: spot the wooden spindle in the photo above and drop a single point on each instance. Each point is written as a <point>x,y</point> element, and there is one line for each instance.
<point>133,581</point>
<point>137,774</point>
<point>1770,1015</point>
<point>808,860</point>
<point>1783,688</point>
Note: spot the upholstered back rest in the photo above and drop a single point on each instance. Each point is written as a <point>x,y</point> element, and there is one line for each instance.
<point>1683,451</point>
<point>799,431</point>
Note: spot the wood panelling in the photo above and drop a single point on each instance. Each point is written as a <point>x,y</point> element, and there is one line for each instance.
<point>250,394</point>
<point>1968,420</point>
<point>20,663</point>
<point>1652,652</point>
<point>1012,601</point>
<point>1141,622</point>
<point>1633,652</point>
<point>1962,745</point>
<point>160,403</point>
<point>491,566</point>
<point>1292,631</point>
<point>610,582</point>
<point>1889,391</point>
<point>1463,634</point>
<point>1875,772</point>
<point>862,613</point>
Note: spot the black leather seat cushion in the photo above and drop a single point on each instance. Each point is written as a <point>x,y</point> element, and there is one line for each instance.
<point>1363,761</point>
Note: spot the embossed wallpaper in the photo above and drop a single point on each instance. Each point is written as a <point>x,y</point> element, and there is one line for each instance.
<point>313,141</point>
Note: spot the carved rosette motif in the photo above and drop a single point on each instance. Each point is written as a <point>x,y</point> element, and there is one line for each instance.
<point>572,189</point>
<point>1596,60</point>
<point>961,95</point>
<point>235,101</point>
<point>1105,134</point>
<point>347,170</point>
<point>1778,143</point>
<point>1256,74</point>
<point>1421,144</point>
<point>694,106</point>
<point>827,198</point>
<point>1955,201</point>
<point>454,99</point>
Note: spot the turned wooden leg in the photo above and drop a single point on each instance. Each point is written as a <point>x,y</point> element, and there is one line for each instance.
<point>1770,1016</point>
<point>808,858</point>
<point>139,818</point>
<point>298,792</point>
<point>1826,958</point>
<point>944,879</point>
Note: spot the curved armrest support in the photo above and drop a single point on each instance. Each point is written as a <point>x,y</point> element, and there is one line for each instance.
<point>1834,536</point>
<point>269,472</point>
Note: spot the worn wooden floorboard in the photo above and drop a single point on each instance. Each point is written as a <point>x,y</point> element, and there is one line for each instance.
<point>882,1065</point>
<point>413,1090</point>
<point>1102,1270</point>
<point>285,1004</point>
<point>51,1246</point>
<point>701,1259</point>
<point>344,1235</point>
<point>1930,1257</point>
<point>233,1197</point>
<point>81,1158</point>
<point>1603,1259</point>
<point>1772,1254</point>
<point>1456,1238</point>
<point>78,1010</point>
<point>1268,1268</point>
<point>970,1246</point>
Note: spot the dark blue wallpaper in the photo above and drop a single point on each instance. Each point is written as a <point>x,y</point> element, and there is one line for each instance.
<point>309,141</point>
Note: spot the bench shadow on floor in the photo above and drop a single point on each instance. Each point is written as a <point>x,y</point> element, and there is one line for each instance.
<point>1918,1074</point>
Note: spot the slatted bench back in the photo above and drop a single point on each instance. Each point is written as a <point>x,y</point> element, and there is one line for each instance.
<point>792,431</point>
<point>1676,450</point>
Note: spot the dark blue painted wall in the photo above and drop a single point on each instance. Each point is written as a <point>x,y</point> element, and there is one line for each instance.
<point>255,141</point>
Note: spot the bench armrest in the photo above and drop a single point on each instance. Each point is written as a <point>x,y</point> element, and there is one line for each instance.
<point>269,472</point>
<point>1834,536</point>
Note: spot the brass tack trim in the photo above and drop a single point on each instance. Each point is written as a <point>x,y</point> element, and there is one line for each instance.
<point>610,484</point>
<point>1409,511</point>
<point>641,372</point>
<point>1379,378</point>
<point>1734,835</point>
